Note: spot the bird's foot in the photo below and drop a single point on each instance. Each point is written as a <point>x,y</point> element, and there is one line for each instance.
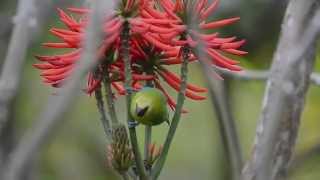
<point>132,124</point>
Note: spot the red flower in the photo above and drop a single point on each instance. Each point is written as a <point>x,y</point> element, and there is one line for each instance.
<point>156,38</point>
<point>192,28</point>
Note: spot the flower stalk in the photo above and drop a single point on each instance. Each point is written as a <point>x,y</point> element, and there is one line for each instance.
<point>177,114</point>
<point>125,37</point>
<point>109,96</point>
<point>147,139</point>
<point>103,117</point>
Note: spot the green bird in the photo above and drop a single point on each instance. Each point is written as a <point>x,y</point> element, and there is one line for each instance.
<point>149,107</point>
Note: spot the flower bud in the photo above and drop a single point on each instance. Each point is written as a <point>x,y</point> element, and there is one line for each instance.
<point>120,154</point>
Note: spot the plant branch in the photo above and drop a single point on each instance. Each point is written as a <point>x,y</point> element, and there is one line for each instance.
<point>15,58</point>
<point>104,119</point>
<point>125,37</point>
<point>177,114</point>
<point>51,116</point>
<point>285,93</point>
<point>147,131</point>
<point>259,75</point>
<point>109,96</point>
<point>227,127</point>
<point>147,141</point>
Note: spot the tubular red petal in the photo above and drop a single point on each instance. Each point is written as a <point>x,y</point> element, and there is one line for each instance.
<point>121,90</point>
<point>217,24</point>
<point>57,77</point>
<point>169,11</point>
<point>57,45</point>
<point>176,86</point>
<point>233,45</point>
<point>222,61</point>
<point>43,66</point>
<point>189,86</point>
<point>139,77</point>
<point>169,36</point>
<point>93,86</point>
<point>154,13</point>
<point>79,10</point>
<point>205,14</point>
<point>155,42</point>
<point>171,101</point>
<point>222,40</point>
<point>114,28</point>
<point>62,32</point>
<point>235,52</point>
<point>56,71</point>
<point>159,21</point>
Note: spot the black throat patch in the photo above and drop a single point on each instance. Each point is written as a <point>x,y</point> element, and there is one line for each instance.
<point>141,111</point>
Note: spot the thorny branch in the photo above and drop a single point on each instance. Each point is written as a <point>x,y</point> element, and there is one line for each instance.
<point>285,93</point>
<point>50,118</point>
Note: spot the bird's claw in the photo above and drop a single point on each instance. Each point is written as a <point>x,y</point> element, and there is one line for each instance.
<point>132,124</point>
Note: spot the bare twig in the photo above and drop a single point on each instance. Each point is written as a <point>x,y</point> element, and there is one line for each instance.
<point>285,93</point>
<point>259,75</point>
<point>50,118</point>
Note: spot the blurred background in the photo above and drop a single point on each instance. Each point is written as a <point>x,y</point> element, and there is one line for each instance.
<point>78,149</point>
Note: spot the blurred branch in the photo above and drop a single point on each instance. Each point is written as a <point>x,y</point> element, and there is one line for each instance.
<point>14,61</point>
<point>51,117</point>
<point>227,127</point>
<point>256,75</point>
<point>285,93</point>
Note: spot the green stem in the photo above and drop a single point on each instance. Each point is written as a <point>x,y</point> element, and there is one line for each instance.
<point>109,97</point>
<point>147,141</point>
<point>176,117</point>
<point>125,36</point>
<point>100,104</point>
<point>148,130</point>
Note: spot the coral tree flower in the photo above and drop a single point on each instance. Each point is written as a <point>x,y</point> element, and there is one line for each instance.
<point>158,30</point>
<point>192,17</point>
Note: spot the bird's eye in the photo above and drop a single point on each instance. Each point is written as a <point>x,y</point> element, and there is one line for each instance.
<point>141,111</point>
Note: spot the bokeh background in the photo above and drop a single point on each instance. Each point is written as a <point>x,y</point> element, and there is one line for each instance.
<point>78,149</point>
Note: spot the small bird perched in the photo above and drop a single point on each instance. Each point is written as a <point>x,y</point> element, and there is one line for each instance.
<point>149,107</point>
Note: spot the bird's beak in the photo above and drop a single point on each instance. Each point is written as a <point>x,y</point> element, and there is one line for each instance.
<point>141,111</point>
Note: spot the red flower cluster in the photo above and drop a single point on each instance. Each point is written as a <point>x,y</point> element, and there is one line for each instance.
<point>158,30</point>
